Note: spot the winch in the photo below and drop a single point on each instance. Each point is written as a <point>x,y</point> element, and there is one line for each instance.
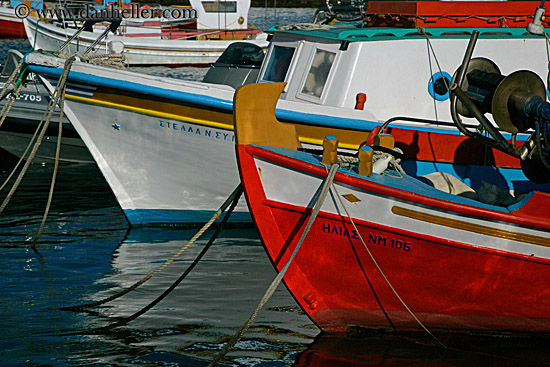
<point>517,103</point>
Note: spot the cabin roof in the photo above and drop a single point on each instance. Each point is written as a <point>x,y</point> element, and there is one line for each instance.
<point>352,34</point>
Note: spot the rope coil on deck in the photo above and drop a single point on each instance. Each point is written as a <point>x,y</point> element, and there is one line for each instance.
<point>114,60</point>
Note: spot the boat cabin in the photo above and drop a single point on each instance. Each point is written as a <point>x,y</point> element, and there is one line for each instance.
<point>389,71</point>
<point>401,68</point>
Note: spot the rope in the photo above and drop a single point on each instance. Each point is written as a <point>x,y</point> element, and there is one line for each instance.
<point>14,93</point>
<point>279,278</point>
<point>9,104</point>
<point>380,269</point>
<point>423,31</point>
<point>56,165</point>
<point>216,215</point>
<point>238,191</point>
<point>117,60</point>
<point>31,143</point>
<point>49,112</point>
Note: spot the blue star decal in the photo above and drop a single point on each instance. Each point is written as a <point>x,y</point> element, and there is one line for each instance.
<point>116,126</point>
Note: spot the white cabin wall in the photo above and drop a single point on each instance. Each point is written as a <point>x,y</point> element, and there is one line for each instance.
<point>338,92</point>
<point>395,74</point>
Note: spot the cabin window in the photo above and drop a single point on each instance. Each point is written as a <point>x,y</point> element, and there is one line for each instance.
<point>219,6</point>
<point>279,63</point>
<point>318,73</point>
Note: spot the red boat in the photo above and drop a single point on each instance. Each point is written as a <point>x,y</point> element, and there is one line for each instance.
<point>451,14</point>
<point>387,249</point>
<point>10,25</point>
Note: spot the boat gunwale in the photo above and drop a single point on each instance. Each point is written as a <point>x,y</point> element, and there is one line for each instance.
<point>514,216</point>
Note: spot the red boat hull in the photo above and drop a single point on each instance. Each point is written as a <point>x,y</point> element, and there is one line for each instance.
<point>12,29</point>
<point>446,284</point>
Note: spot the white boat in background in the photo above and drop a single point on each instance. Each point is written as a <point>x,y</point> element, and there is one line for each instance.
<point>166,146</point>
<point>218,24</point>
<point>238,65</point>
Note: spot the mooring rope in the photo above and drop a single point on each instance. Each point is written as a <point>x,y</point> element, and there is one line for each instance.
<point>48,116</point>
<point>279,277</point>
<point>445,81</point>
<point>380,269</point>
<point>15,92</point>
<point>56,164</point>
<point>236,193</point>
<point>235,199</point>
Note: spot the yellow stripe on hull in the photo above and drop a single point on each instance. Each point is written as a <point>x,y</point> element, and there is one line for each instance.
<point>348,139</point>
<point>471,227</point>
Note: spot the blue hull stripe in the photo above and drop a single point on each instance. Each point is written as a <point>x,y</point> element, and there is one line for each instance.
<point>151,217</point>
<point>288,115</point>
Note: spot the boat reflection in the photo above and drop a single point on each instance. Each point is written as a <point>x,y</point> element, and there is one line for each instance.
<point>205,310</point>
<point>377,348</point>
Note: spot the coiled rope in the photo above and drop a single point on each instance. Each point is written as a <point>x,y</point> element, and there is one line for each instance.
<point>232,198</point>
<point>114,60</point>
<point>279,277</point>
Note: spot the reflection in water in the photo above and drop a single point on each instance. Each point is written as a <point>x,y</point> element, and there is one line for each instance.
<point>376,348</point>
<point>207,308</point>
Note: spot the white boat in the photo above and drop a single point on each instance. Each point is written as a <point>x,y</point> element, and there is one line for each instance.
<point>166,146</point>
<point>218,24</point>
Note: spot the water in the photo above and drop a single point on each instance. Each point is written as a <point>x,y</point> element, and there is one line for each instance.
<point>88,252</point>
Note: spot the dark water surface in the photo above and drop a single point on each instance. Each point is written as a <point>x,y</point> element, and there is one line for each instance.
<point>87,252</point>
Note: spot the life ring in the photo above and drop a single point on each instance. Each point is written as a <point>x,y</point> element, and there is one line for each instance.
<point>240,20</point>
<point>146,7</point>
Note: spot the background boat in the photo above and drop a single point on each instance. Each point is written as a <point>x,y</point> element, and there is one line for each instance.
<point>24,117</point>
<point>195,119</point>
<point>153,43</point>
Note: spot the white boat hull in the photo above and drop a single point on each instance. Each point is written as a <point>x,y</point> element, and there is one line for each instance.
<point>138,50</point>
<point>143,179</point>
